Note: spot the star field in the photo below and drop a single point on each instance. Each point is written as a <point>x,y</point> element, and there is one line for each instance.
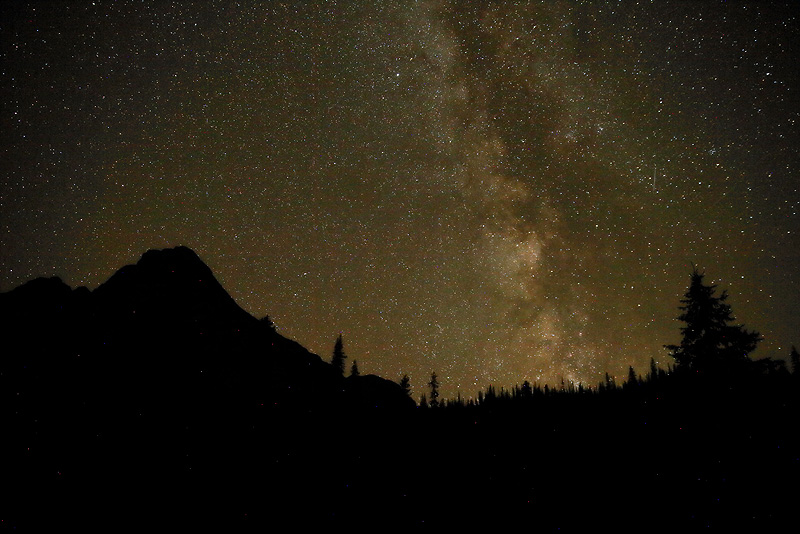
<point>493,191</point>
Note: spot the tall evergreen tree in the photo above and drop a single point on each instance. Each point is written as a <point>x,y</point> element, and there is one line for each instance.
<point>405,383</point>
<point>338,355</point>
<point>526,391</point>
<point>710,342</point>
<point>434,385</point>
<point>632,380</point>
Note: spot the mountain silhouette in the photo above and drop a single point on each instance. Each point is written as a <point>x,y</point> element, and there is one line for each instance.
<point>168,318</point>
<point>171,288</point>
<point>160,375</point>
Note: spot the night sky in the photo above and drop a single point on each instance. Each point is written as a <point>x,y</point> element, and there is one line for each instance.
<point>493,191</point>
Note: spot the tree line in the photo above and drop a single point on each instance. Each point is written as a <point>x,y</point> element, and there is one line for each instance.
<point>712,348</point>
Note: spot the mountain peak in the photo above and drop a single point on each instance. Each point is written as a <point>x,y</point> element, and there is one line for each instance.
<point>169,284</point>
<point>178,255</point>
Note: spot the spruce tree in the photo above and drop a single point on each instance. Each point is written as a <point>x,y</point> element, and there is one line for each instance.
<point>526,391</point>
<point>709,341</point>
<point>632,380</point>
<point>354,369</point>
<point>434,385</point>
<point>338,355</point>
<point>405,383</point>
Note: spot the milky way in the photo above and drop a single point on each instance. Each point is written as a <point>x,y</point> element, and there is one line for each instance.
<point>493,191</point>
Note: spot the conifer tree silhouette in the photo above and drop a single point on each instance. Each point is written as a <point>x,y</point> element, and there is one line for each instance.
<point>354,369</point>
<point>405,383</point>
<point>338,355</point>
<point>710,342</point>
<point>632,380</point>
<point>434,385</point>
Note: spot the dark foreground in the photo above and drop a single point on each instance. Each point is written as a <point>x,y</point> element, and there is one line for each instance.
<point>629,461</point>
<point>154,402</point>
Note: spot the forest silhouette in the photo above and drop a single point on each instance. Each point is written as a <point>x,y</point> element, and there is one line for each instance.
<point>155,402</point>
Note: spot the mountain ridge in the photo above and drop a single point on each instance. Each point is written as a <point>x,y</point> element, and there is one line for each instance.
<point>169,311</point>
<point>143,398</point>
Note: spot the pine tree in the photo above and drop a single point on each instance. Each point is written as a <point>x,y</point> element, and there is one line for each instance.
<point>338,355</point>
<point>354,369</point>
<point>434,385</point>
<point>405,383</point>
<point>710,342</point>
<point>526,392</point>
<point>632,380</point>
